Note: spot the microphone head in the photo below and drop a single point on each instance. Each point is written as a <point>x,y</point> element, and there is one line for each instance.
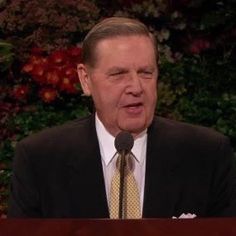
<point>124,141</point>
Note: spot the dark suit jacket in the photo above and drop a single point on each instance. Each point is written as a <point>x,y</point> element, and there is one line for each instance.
<point>58,173</point>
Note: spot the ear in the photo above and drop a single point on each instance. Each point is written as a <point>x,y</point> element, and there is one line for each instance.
<point>84,79</point>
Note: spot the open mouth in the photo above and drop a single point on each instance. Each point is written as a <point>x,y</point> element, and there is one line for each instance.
<point>137,104</point>
<point>134,108</point>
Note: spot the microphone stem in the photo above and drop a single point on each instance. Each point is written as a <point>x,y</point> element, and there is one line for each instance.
<point>121,193</point>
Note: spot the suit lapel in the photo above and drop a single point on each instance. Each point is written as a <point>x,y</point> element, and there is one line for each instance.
<point>86,186</point>
<point>161,187</point>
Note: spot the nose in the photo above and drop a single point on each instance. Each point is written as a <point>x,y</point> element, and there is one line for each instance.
<point>134,85</point>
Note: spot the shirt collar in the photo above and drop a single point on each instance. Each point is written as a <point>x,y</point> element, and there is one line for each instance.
<point>107,148</point>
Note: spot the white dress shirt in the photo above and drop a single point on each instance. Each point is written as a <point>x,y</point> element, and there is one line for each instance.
<point>108,151</point>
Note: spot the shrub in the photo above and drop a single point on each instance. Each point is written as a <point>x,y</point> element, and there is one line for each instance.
<point>41,46</point>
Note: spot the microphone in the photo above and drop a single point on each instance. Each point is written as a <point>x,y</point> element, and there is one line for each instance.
<point>124,142</point>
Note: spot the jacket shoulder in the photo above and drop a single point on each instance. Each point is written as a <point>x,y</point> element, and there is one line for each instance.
<point>186,135</point>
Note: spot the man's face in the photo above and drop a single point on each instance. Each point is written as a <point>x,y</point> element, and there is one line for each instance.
<point>123,83</point>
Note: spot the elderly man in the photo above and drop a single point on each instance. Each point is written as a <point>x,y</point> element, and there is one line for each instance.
<point>177,168</point>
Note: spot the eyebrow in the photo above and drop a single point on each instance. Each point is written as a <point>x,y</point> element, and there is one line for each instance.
<point>116,69</point>
<point>123,69</point>
<point>143,68</point>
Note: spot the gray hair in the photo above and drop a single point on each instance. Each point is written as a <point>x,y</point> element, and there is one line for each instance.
<point>110,28</point>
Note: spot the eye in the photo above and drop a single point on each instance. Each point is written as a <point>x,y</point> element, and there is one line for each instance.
<point>116,73</point>
<point>146,74</point>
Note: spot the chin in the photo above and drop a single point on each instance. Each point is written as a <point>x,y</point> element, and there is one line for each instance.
<point>134,128</point>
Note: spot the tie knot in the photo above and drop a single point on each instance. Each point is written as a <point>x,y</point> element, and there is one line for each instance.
<point>128,162</point>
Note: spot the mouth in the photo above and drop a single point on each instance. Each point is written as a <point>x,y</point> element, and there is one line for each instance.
<point>134,108</point>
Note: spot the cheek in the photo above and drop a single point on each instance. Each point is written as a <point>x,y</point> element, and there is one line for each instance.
<point>151,94</point>
<point>107,101</point>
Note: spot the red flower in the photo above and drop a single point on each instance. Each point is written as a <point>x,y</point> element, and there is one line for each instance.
<point>199,45</point>
<point>48,95</point>
<point>69,80</point>
<point>36,59</point>
<point>21,92</point>
<point>70,71</point>
<point>58,70</point>
<point>53,77</point>
<point>58,57</point>
<point>69,86</point>
<point>33,62</point>
<point>38,73</point>
<point>38,70</point>
<point>27,68</point>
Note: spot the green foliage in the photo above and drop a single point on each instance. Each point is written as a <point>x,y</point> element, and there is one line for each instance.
<point>41,117</point>
<point>196,40</point>
<point>197,91</point>
<point>6,55</point>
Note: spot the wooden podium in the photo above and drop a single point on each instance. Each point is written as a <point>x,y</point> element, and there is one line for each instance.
<point>144,227</point>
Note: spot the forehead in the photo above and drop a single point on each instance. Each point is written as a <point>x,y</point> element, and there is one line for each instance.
<point>144,39</point>
<point>126,47</point>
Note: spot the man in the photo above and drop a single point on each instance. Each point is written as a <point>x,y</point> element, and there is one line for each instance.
<point>179,168</point>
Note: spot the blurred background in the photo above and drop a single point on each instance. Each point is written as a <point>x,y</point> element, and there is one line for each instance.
<point>40,45</point>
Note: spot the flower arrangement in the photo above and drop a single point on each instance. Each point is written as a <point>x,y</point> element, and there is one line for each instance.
<point>39,86</point>
<point>48,24</point>
<point>53,74</point>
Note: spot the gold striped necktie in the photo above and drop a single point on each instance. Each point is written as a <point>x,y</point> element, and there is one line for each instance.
<point>131,199</point>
